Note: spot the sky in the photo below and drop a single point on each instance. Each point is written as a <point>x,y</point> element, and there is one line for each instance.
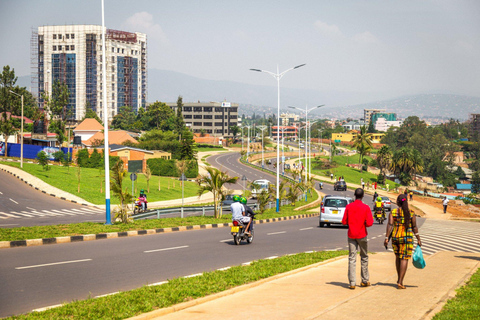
<point>363,46</point>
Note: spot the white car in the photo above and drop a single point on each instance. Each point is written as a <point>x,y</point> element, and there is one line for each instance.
<point>332,210</point>
<point>262,185</point>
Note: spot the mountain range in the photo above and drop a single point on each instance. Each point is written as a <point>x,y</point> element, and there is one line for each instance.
<point>166,86</point>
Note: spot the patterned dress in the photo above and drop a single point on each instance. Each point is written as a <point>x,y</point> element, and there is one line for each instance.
<point>402,240</point>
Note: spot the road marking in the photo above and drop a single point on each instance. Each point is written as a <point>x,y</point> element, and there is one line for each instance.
<point>226,240</point>
<point>52,264</point>
<point>11,224</point>
<point>338,249</point>
<point>22,214</point>
<point>8,215</point>
<point>309,251</point>
<point>223,269</point>
<point>157,284</point>
<point>51,213</point>
<point>1,192</point>
<point>165,249</point>
<point>247,263</point>
<point>64,212</point>
<point>47,308</point>
<point>105,295</point>
<point>194,275</point>
<point>306,229</point>
<point>13,201</point>
<point>31,209</point>
<point>272,233</point>
<point>272,257</point>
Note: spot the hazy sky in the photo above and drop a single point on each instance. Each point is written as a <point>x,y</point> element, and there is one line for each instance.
<point>393,47</point>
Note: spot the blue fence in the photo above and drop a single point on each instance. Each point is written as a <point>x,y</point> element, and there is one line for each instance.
<point>31,151</point>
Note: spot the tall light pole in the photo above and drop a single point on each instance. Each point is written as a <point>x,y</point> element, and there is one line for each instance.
<point>283,151</point>
<point>278,76</point>
<point>320,140</point>
<point>262,127</point>
<point>21,131</point>
<point>306,135</point>
<point>248,140</point>
<point>105,123</point>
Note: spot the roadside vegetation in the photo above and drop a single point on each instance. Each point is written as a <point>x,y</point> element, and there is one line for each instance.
<point>92,183</point>
<point>149,298</point>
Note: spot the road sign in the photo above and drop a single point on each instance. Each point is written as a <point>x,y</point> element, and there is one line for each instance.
<point>133,176</point>
<point>244,178</point>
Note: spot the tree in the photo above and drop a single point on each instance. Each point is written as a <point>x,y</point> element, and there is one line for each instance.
<point>148,176</point>
<point>179,123</point>
<point>43,160</point>
<point>402,164</point>
<point>7,81</point>
<point>235,130</point>
<point>124,119</point>
<point>476,182</point>
<point>57,106</point>
<point>294,191</point>
<point>363,143</point>
<point>417,162</point>
<point>371,128</point>
<point>214,182</point>
<point>187,146</point>
<point>118,174</point>
<point>90,114</point>
<point>161,116</point>
<point>384,158</point>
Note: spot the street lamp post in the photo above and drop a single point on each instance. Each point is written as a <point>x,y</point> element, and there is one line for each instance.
<point>21,131</point>
<point>306,136</point>
<point>283,150</point>
<point>278,76</point>
<point>183,178</point>
<point>248,141</point>
<point>262,127</point>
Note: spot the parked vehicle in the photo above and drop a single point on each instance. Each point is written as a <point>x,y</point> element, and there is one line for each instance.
<point>340,186</point>
<point>262,184</point>
<point>332,210</point>
<point>387,204</point>
<point>238,231</point>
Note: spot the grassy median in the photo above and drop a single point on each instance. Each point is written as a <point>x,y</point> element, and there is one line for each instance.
<point>466,304</point>
<point>40,232</point>
<point>146,299</point>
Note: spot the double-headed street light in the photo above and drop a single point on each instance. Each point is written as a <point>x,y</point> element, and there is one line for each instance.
<point>306,111</point>
<point>278,76</point>
<point>21,131</point>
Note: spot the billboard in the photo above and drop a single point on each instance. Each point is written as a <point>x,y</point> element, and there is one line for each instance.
<point>226,104</point>
<point>121,35</point>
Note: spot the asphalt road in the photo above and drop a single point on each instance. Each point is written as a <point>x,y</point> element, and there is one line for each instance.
<point>22,205</point>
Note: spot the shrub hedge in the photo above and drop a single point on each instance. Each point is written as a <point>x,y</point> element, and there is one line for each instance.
<point>163,167</point>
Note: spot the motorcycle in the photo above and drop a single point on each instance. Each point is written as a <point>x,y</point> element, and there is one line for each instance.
<point>238,231</point>
<point>138,207</point>
<point>379,215</point>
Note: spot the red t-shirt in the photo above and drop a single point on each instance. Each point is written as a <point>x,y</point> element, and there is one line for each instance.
<point>358,217</point>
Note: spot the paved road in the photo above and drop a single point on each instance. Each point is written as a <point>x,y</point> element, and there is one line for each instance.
<point>22,205</point>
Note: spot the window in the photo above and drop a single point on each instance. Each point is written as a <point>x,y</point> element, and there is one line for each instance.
<point>226,124</point>
<point>113,96</point>
<point>197,109</point>
<point>207,124</point>
<point>113,59</point>
<point>113,78</point>
<point>207,109</point>
<point>113,68</point>
<point>187,109</point>
<point>218,117</point>
<point>59,47</point>
<point>54,37</point>
<point>123,50</point>
<point>72,36</point>
<point>113,86</point>
<point>218,124</point>
<point>197,116</point>
<point>131,53</point>
<point>187,116</point>
<point>67,36</point>
<point>226,117</point>
<point>72,47</point>
<point>118,50</point>
<point>218,109</point>
<point>59,37</point>
<point>197,124</point>
<point>207,116</point>
<point>233,117</point>
<point>113,49</point>
<point>54,48</point>
<point>67,48</point>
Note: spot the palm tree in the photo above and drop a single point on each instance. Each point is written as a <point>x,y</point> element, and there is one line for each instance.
<point>118,174</point>
<point>384,158</point>
<point>262,200</point>
<point>214,182</point>
<point>402,164</point>
<point>363,143</point>
<point>417,163</point>
<point>294,191</point>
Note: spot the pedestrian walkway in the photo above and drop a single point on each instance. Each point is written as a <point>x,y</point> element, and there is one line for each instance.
<point>34,213</point>
<point>321,291</point>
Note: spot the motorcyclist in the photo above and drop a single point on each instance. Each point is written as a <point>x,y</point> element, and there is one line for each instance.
<point>379,206</point>
<point>238,211</point>
<point>248,212</point>
<point>143,199</point>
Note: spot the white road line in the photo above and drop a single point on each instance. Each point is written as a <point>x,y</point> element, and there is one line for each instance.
<point>51,213</point>
<point>35,213</point>
<point>458,242</point>
<point>52,264</point>
<point>9,224</point>
<point>22,214</point>
<point>157,284</point>
<point>247,263</point>
<point>306,229</point>
<point>223,269</point>
<point>194,275</point>
<point>31,209</point>
<point>165,249</point>
<point>226,240</point>
<point>1,192</point>
<point>338,249</point>
<point>106,295</point>
<point>47,308</point>
<point>272,233</point>
<point>272,257</point>
<point>13,201</point>
<point>9,215</point>
<point>63,212</point>
<point>309,251</point>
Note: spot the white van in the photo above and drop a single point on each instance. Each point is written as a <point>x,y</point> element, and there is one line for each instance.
<point>262,185</point>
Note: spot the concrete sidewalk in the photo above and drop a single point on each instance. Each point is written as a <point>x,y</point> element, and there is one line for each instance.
<point>320,292</point>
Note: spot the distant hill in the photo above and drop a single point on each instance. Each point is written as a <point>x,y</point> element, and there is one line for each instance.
<point>166,86</point>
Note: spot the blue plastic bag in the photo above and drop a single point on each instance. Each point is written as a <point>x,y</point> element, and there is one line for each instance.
<point>418,261</point>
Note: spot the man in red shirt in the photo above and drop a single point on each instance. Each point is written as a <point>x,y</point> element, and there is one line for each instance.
<point>358,217</point>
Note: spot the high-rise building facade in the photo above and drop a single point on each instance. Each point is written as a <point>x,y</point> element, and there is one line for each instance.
<point>367,114</point>
<point>72,54</point>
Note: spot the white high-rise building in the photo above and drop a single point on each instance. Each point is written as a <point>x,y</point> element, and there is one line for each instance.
<point>72,54</point>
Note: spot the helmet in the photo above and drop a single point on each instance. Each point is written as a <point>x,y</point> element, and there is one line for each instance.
<point>379,199</point>
<point>236,198</point>
<point>243,200</point>
<point>142,191</point>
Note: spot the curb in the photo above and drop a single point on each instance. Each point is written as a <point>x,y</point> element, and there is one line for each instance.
<point>50,194</point>
<point>184,305</point>
<point>133,233</point>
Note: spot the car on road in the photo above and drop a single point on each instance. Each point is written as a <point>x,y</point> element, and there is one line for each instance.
<point>333,209</point>
<point>287,166</point>
<point>228,200</point>
<point>387,204</point>
<point>259,186</point>
<point>340,185</point>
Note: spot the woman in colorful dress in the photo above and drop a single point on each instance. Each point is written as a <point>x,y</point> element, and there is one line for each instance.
<point>401,228</point>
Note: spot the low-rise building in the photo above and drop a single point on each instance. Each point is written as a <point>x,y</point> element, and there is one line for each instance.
<point>348,137</point>
<point>287,131</point>
<point>382,124</point>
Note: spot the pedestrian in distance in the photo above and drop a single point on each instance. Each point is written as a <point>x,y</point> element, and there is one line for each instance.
<point>331,176</point>
<point>401,227</point>
<point>375,185</point>
<point>363,184</point>
<point>375,195</point>
<point>358,217</point>
<point>411,195</point>
<point>445,204</point>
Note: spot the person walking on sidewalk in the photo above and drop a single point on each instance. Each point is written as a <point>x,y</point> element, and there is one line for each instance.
<point>358,217</point>
<point>401,227</point>
<point>445,204</point>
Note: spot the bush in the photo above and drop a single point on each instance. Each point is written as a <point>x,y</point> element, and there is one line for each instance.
<point>381,179</point>
<point>82,158</point>
<point>95,160</point>
<point>43,160</point>
<point>204,145</point>
<point>58,156</point>
<point>168,168</point>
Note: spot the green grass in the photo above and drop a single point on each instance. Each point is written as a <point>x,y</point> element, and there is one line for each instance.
<point>465,304</point>
<point>203,149</point>
<point>145,299</point>
<point>92,185</point>
<point>204,160</point>
<point>40,232</point>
